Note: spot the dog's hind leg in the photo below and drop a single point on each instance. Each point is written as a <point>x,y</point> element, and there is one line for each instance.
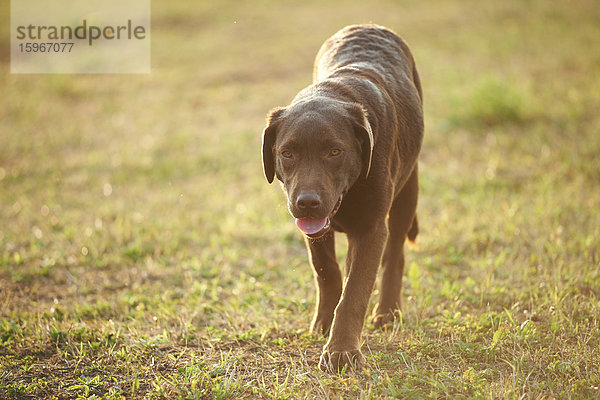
<point>401,222</point>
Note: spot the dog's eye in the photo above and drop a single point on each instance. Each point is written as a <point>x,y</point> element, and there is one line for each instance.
<point>286,154</point>
<point>334,152</point>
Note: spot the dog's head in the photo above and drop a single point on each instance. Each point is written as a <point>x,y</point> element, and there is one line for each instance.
<point>317,148</point>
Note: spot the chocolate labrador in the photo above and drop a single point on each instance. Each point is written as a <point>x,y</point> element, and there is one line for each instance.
<point>346,153</point>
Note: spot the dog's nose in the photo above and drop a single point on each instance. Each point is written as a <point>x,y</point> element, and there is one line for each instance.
<point>308,200</point>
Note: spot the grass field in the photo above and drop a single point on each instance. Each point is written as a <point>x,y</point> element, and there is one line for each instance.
<point>143,254</point>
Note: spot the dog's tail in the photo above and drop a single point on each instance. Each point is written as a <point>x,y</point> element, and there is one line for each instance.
<point>414,230</point>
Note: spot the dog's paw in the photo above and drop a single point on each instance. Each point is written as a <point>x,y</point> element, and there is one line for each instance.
<point>321,326</point>
<point>336,361</point>
<point>380,320</point>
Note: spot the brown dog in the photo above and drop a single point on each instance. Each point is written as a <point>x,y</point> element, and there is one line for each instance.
<point>346,153</point>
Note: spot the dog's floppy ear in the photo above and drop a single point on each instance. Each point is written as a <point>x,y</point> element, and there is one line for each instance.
<point>364,133</point>
<point>268,140</point>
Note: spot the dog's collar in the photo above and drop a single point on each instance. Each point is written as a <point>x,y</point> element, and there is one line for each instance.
<point>324,236</point>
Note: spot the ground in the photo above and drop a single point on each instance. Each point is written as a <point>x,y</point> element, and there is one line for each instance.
<point>143,254</point>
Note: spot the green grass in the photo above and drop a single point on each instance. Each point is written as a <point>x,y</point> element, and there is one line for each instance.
<point>143,255</point>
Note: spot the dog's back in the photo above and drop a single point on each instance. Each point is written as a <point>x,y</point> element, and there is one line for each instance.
<point>369,48</point>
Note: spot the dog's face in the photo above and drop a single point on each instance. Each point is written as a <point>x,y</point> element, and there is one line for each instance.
<point>317,149</point>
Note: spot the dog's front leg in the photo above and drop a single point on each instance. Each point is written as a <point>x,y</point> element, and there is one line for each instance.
<point>364,256</point>
<point>328,281</point>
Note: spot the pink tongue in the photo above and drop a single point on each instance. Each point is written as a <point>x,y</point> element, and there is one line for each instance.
<point>309,225</point>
